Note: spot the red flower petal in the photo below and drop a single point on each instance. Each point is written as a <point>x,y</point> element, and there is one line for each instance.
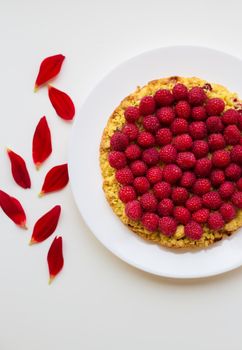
<point>13,209</point>
<point>55,258</point>
<point>56,179</point>
<point>19,169</point>
<point>41,146</point>
<point>49,68</point>
<point>62,103</point>
<point>46,225</point>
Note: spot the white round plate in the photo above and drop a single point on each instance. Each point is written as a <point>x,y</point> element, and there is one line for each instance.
<point>85,176</point>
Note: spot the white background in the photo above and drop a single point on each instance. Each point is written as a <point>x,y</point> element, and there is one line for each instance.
<point>97,302</point>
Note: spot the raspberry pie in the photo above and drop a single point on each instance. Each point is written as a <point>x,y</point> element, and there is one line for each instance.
<point>171,161</point>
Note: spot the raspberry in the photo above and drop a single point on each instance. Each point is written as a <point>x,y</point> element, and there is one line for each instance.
<point>146,139</point>
<point>198,130</point>
<point>119,141</point>
<point>179,195</point>
<point>162,190</point>
<point>226,189</point>
<point>182,215</point>
<point>127,194</point>
<point>167,226</point>
<point>183,109</point>
<point>151,156</point>
<point>133,210</point>
<point>201,216</point>
<point>188,179</point>
<point>217,177</point>
<point>215,221</point>
<point>138,168</point>
<point>163,136</point>
<point>131,130</point>
<point>236,154</point>
<point>231,116</point>
<point>183,142</point>
<point>179,126</point>
<point>214,124</point>
<point>154,174</point>
<point>203,167</point>
<point>131,114</point>
<point>239,184</point>
<point>133,152</point>
<point>165,207</point>
<point>124,176</point>
<point>147,105</point>
<point>141,184</point>
<point>215,142</point>
<point>201,186</point>
<point>227,211</point>
<point>165,115</point>
<point>221,158</point>
<point>163,97</point>
<point>199,113</point>
<point>215,106</point>
<point>186,160</point>
<point>237,199</point>
<point>171,173</point>
<point>180,92</point>
<point>194,203</point>
<point>193,230</point>
<point>212,200</point>
<point>200,148</point>
<point>117,159</point>
<point>148,202</point>
<point>168,154</point>
<point>233,172</point>
<point>150,221</point>
<point>196,96</point>
<point>232,135</point>
<point>151,123</point>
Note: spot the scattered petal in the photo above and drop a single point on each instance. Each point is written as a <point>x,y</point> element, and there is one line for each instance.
<point>41,146</point>
<point>62,103</point>
<point>55,258</point>
<point>19,169</point>
<point>56,179</point>
<point>46,225</point>
<point>49,68</point>
<point>13,209</point>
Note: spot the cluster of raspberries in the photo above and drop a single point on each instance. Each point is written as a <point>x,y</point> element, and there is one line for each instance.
<point>178,160</point>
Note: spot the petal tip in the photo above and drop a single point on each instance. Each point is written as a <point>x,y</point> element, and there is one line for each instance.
<point>23,226</point>
<point>36,88</point>
<point>32,241</point>
<point>51,279</point>
<point>37,166</point>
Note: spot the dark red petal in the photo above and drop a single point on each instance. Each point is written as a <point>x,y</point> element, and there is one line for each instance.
<point>13,209</point>
<point>56,179</point>
<point>49,68</point>
<point>41,146</point>
<point>19,169</point>
<point>62,103</point>
<point>55,258</point>
<point>46,225</point>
